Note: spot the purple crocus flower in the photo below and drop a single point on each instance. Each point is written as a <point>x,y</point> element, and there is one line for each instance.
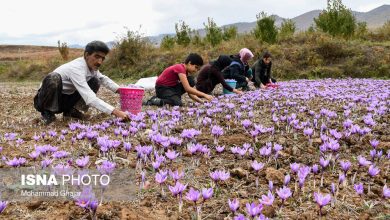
<point>363,161</point>
<point>374,143</point>
<point>82,162</point>
<point>83,202</point>
<point>176,175</point>
<point>127,146</point>
<point>333,188</point>
<point>270,185</point>
<point>234,204</point>
<point>359,188</point>
<point>294,167</point>
<point>253,209</point>
<point>386,192</point>
<point>217,130</point>
<point>46,162</point>
<point>207,193</point>
<point>193,195</point>
<point>287,179</point>
<point>171,154</point>
<point>257,166</point>
<point>3,205</point>
<point>345,165</point>
<point>161,177</point>
<point>324,163</point>
<point>373,171</point>
<point>220,149</point>
<point>314,169</point>
<point>156,164</point>
<point>322,200</point>
<point>308,132</point>
<point>341,178</point>
<point>284,193</point>
<point>240,217</point>
<point>106,167</point>
<point>268,199</point>
<point>177,189</point>
<point>16,162</point>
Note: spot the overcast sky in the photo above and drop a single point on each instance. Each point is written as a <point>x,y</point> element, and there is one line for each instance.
<point>44,22</point>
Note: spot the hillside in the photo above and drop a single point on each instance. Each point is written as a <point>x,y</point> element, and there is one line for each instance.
<point>374,18</point>
<point>27,52</point>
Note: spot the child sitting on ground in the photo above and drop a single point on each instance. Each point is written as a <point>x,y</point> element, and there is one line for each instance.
<point>176,80</point>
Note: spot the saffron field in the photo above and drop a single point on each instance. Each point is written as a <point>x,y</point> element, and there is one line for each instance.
<point>308,149</point>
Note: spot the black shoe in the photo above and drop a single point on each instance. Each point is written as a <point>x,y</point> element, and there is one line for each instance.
<point>74,113</point>
<point>48,117</point>
<point>154,101</point>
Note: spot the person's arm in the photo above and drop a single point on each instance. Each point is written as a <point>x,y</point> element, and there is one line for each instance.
<point>236,73</point>
<point>269,72</point>
<point>190,90</point>
<point>107,82</point>
<point>90,98</point>
<point>195,98</point>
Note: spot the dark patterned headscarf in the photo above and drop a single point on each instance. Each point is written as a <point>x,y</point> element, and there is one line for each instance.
<point>222,62</point>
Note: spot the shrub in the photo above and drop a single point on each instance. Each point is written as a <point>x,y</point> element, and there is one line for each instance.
<point>265,29</point>
<point>336,20</point>
<point>64,50</point>
<point>287,29</point>
<point>229,33</point>
<point>213,32</point>
<point>182,33</point>
<point>167,42</point>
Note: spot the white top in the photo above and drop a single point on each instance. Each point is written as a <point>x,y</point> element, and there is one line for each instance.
<point>75,76</point>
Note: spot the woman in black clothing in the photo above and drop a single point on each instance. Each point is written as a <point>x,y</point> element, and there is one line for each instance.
<point>210,76</point>
<point>262,71</point>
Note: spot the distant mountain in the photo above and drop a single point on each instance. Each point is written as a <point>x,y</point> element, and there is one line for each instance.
<point>374,18</point>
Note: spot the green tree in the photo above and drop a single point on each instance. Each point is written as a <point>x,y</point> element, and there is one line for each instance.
<point>229,33</point>
<point>167,42</point>
<point>64,50</point>
<point>182,33</point>
<point>336,20</point>
<point>213,32</point>
<point>196,39</point>
<point>265,28</point>
<point>361,29</point>
<point>287,29</point>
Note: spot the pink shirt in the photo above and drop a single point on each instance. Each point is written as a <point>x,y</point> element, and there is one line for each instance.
<point>170,76</point>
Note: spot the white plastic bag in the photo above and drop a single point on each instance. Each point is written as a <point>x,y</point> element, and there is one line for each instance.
<point>147,83</point>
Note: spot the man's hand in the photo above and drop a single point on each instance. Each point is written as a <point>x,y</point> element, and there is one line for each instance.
<point>208,97</point>
<point>118,113</point>
<point>247,79</point>
<point>262,86</point>
<point>238,91</point>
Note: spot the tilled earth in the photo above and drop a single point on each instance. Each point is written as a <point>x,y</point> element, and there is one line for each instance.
<point>306,99</point>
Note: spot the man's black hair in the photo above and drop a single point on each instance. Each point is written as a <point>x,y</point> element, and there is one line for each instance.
<point>195,59</point>
<point>96,46</point>
<point>267,54</point>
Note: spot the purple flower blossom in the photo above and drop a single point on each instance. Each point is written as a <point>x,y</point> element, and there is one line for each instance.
<point>161,177</point>
<point>219,175</point>
<point>267,200</point>
<point>62,169</point>
<point>345,165</point>
<point>16,162</point>
<point>220,149</point>
<point>217,130</point>
<point>3,205</point>
<point>106,167</point>
<point>82,162</point>
<point>253,209</point>
<point>257,165</point>
<point>177,189</point>
<point>324,162</point>
<point>308,132</point>
<point>341,178</point>
<point>294,167</point>
<point>315,168</point>
<point>193,195</point>
<point>176,175</point>
<point>207,193</point>
<point>171,154</point>
<point>284,193</point>
<point>233,205</point>
<point>246,123</point>
<point>287,180</point>
<point>373,171</point>
<point>34,155</point>
<point>322,200</point>
<point>60,154</point>
<point>374,143</point>
<point>359,188</point>
<point>46,162</point>
<point>363,161</point>
<point>386,192</point>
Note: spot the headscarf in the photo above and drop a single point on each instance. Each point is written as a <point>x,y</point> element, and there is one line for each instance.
<point>245,55</point>
<point>222,62</point>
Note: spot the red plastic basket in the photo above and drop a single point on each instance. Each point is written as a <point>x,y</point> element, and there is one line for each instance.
<point>131,99</point>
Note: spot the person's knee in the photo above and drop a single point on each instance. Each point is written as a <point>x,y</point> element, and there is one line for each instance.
<point>176,101</point>
<point>94,84</point>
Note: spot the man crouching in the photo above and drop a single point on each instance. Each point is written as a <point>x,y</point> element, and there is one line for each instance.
<point>76,82</point>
